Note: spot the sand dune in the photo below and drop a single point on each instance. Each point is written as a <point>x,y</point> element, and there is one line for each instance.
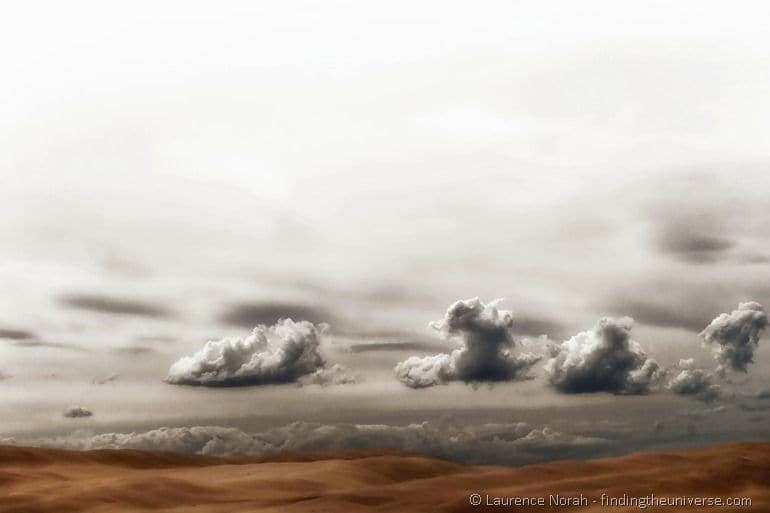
<point>55,481</point>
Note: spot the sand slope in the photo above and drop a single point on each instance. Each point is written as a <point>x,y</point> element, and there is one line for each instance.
<point>48,481</point>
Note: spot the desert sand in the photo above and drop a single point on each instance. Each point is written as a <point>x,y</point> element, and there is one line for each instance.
<point>53,481</point>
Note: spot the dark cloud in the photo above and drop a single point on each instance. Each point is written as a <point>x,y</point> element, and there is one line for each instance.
<point>485,336</point>
<point>163,339</point>
<point>134,350</point>
<point>77,412</point>
<point>736,335</point>
<point>52,345</point>
<point>694,382</point>
<point>375,334</point>
<point>282,353</point>
<point>393,346</point>
<point>509,443</point>
<point>693,230</point>
<point>603,359</point>
<point>113,305</point>
<point>384,294</point>
<point>12,334</point>
<point>248,315</point>
<point>692,246</point>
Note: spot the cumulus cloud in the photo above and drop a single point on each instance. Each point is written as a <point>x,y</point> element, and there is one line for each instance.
<point>281,353</point>
<point>604,359</point>
<point>485,337</point>
<point>736,335</point>
<point>77,412</point>
<point>694,382</point>
<point>511,443</point>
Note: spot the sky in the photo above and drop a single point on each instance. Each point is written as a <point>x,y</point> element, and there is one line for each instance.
<point>178,174</point>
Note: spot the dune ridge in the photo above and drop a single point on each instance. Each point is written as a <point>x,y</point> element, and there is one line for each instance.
<point>35,480</point>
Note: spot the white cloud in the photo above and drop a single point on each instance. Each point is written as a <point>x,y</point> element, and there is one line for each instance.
<point>604,359</point>
<point>281,353</point>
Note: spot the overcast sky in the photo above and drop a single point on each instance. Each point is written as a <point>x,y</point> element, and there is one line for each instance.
<point>180,172</point>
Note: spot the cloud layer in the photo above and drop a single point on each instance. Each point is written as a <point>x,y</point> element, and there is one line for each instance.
<point>736,335</point>
<point>485,337</point>
<point>281,353</point>
<point>515,442</point>
<point>247,315</point>
<point>603,359</point>
<point>14,334</point>
<point>114,305</point>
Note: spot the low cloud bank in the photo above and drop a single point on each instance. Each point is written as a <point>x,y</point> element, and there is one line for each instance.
<point>604,359</point>
<point>736,336</point>
<point>282,353</point>
<point>484,443</point>
<point>485,353</point>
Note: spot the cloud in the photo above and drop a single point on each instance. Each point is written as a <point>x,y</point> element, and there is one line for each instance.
<point>77,412</point>
<point>12,334</point>
<point>696,233</point>
<point>163,339</point>
<point>510,443</point>
<point>603,359</point>
<point>51,345</point>
<point>115,306</point>
<point>692,246</point>
<point>485,336</point>
<point>694,382</point>
<point>736,336</point>
<point>392,346</point>
<point>134,350</point>
<point>248,315</point>
<point>281,353</point>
